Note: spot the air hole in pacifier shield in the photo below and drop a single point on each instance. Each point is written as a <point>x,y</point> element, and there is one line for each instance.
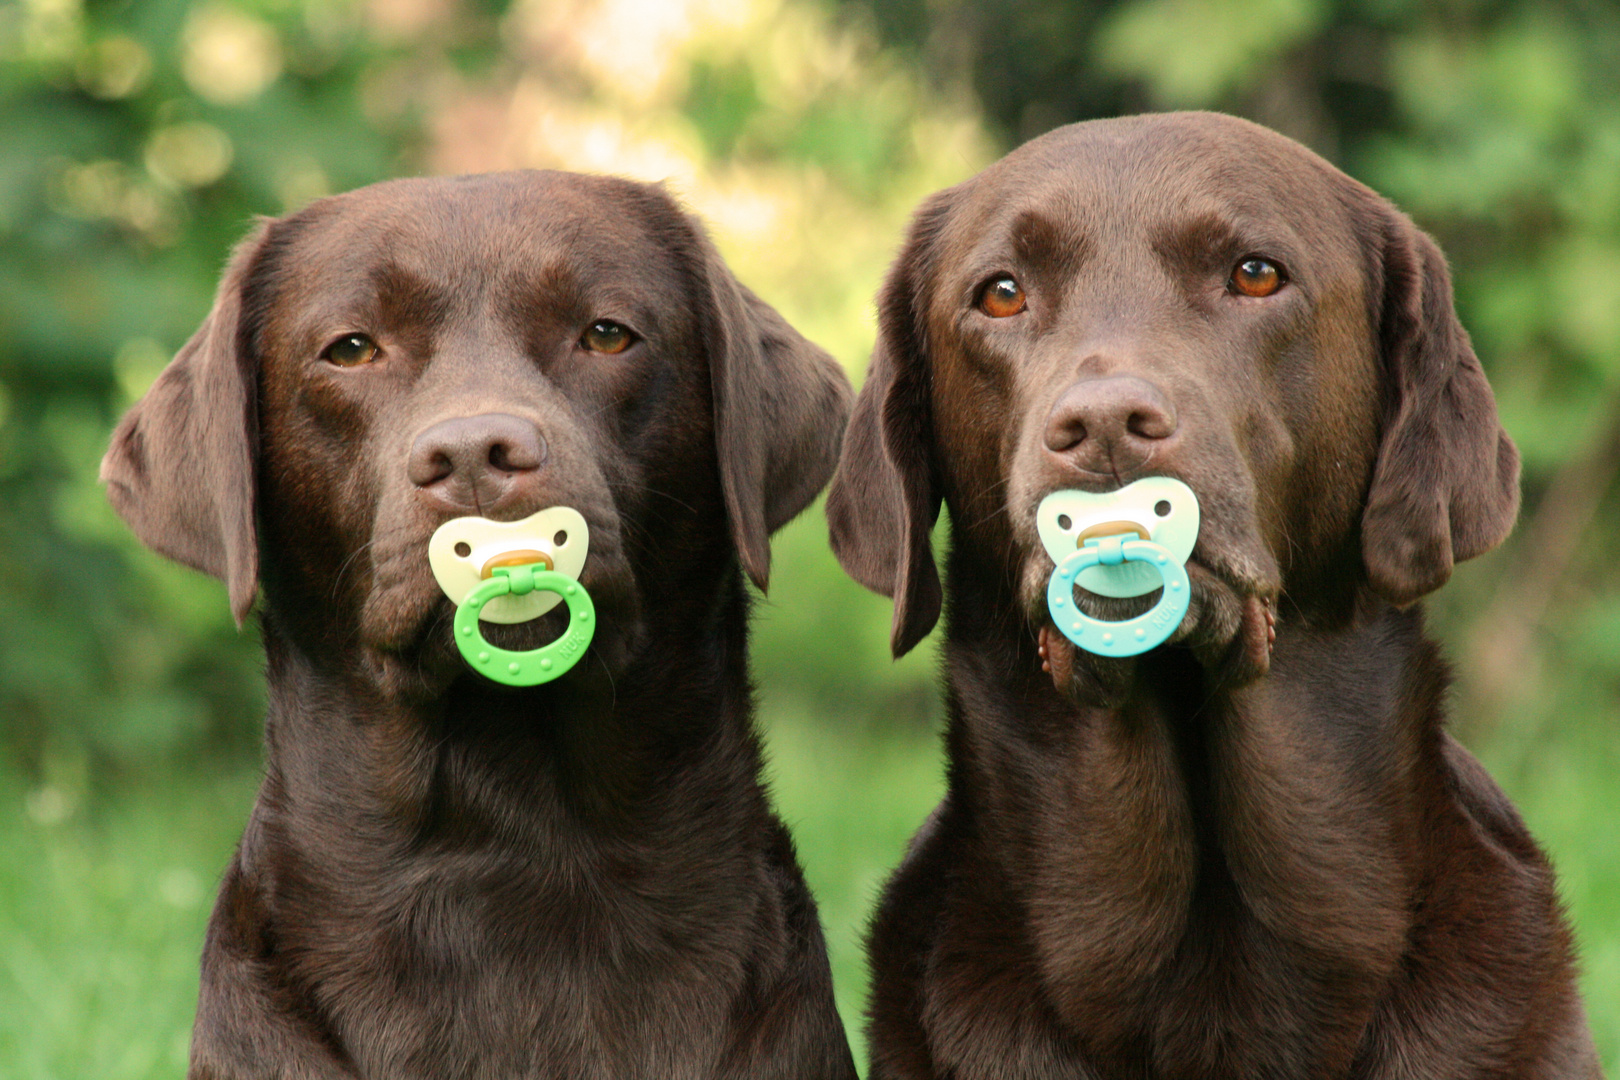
<point>1129,542</point>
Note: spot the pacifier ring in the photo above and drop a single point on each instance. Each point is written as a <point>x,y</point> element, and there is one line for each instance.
<point>529,667</point>
<point>1128,637</point>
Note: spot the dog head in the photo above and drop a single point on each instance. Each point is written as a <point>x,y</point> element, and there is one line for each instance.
<point>420,350</point>
<point>1186,295</point>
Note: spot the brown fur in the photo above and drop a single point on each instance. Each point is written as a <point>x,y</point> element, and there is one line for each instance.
<point>1254,851</point>
<point>444,877</point>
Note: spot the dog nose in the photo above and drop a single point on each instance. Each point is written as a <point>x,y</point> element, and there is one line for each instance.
<point>476,462</point>
<point>1111,424</point>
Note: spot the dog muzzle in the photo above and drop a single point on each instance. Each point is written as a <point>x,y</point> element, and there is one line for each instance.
<point>512,572</point>
<point>1127,542</point>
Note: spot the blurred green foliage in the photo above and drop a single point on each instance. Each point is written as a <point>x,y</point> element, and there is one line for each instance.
<point>138,139</point>
<point>141,140</point>
<point>133,158</point>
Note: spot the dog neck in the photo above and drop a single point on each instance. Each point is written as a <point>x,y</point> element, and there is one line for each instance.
<point>601,751</point>
<point>1195,815</point>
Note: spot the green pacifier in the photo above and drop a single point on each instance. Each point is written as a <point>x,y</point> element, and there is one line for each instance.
<point>512,572</point>
<point>1127,542</point>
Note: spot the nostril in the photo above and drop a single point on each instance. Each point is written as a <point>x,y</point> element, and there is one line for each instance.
<point>428,464</point>
<point>519,451</point>
<point>1150,423</point>
<point>1065,433</point>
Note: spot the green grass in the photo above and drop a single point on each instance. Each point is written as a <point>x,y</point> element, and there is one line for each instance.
<point>852,800</point>
<point>102,904</point>
<point>1563,773</point>
<point>102,910</point>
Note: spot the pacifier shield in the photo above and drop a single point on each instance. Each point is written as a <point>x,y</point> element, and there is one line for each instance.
<point>1162,510</point>
<point>512,572</point>
<point>1127,542</point>
<point>462,550</point>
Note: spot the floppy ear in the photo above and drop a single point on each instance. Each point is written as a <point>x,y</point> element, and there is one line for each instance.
<point>1446,484</point>
<point>180,469</point>
<point>780,405</point>
<point>884,499</point>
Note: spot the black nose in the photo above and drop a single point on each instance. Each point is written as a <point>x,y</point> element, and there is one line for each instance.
<point>1112,424</point>
<point>477,462</point>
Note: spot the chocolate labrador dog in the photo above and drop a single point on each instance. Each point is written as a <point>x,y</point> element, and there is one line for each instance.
<point>1253,851</point>
<point>444,877</point>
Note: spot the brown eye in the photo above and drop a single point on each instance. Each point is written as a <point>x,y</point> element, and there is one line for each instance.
<point>607,337</point>
<point>1002,298</point>
<point>1255,276</point>
<point>351,350</point>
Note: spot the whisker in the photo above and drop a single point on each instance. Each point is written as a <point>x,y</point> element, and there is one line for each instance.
<point>989,492</point>
<point>645,490</point>
<point>343,567</point>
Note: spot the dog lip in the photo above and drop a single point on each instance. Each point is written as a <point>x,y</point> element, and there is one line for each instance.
<point>1242,584</point>
<point>1203,575</point>
<point>416,612</point>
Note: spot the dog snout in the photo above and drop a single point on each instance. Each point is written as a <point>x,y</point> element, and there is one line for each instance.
<point>1110,425</point>
<point>477,462</point>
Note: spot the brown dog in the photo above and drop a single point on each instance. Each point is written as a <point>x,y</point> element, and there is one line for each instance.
<point>444,877</point>
<point>1254,851</point>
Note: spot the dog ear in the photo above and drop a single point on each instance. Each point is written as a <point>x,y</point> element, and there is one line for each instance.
<point>180,468</point>
<point>780,406</point>
<point>1446,483</point>
<point>884,500</point>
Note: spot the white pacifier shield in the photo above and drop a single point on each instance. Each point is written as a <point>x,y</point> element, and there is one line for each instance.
<point>559,531</point>
<point>1064,515</point>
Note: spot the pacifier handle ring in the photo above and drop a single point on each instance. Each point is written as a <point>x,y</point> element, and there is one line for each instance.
<point>530,667</point>
<point>1128,637</point>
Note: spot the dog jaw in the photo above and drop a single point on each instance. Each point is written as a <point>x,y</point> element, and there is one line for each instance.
<point>404,631</point>
<point>1230,628</point>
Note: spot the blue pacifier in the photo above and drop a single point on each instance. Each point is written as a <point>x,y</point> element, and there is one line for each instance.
<point>1119,543</point>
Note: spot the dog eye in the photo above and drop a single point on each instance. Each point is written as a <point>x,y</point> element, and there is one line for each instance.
<point>351,350</point>
<point>1257,276</point>
<point>1002,298</point>
<point>607,337</point>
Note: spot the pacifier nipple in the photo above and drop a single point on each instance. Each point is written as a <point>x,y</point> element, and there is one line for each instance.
<point>1112,528</point>
<point>521,557</point>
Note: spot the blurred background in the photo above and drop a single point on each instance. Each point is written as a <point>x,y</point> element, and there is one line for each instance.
<point>138,138</point>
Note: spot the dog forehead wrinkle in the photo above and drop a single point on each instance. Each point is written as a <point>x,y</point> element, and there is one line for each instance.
<point>541,305</point>
<point>407,299</point>
<point>1192,241</point>
<point>1054,241</point>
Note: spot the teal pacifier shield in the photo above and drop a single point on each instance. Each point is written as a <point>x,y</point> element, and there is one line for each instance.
<point>1161,509</point>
